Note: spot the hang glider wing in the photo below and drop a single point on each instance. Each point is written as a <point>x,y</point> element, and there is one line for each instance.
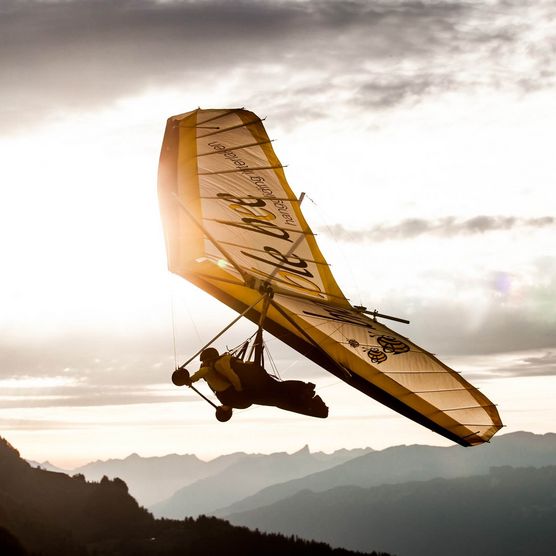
<point>232,224</point>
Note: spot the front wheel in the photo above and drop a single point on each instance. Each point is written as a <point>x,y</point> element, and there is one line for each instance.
<point>180,377</point>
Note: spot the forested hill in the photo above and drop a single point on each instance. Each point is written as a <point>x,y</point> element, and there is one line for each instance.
<point>51,514</point>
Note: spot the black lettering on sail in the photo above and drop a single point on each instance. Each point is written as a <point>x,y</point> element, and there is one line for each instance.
<point>280,257</point>
<point>299,271</point>
<point>242,201</point>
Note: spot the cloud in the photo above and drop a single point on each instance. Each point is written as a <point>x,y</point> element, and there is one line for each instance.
<point>528,364</point>
<point>59,56</point>
<point>450,328</point>
<point>137,371</point>
<point>543,365</point>
<point>40,424</point>
<point>86,368</point>
<point>70,398</point>
<point>443,227</point>
<point>492,312</point>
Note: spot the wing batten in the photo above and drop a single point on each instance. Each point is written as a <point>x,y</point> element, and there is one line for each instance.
<point>232,128</point>
<point>253,198</point>
<point>246,170</point>
<point>245,228</point>
<point>218,116</point>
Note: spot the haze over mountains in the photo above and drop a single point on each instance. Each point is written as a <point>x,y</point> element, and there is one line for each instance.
<point>175,486</point>
<point>159,479</point>
<point>245,477</point>
<point>499,498</point>
<point>153,479</point>
<point>507,512</point>
<point>51,514</point>
<point>401,464</point>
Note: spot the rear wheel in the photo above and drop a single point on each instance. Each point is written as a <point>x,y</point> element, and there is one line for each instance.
<point>224,413</point>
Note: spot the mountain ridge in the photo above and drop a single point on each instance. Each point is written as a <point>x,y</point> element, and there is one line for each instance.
<point>246,476</point>
<point>405,463</point>
<point>51,514</point>
<point>508,511</point>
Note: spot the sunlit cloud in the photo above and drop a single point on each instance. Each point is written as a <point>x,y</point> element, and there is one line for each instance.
<point>394,112</point>
<point>398,51</point>
<point>26,392</point>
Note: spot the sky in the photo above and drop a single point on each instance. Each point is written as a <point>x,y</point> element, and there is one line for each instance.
<point>421,132</point>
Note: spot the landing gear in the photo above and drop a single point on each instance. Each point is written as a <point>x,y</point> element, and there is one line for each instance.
<point>223,413</point>
<point>180,377</point>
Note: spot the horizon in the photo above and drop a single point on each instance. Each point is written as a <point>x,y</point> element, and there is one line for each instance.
<point>293,451</point>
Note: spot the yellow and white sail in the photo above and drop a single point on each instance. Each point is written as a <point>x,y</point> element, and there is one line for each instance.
<point>233,225</point>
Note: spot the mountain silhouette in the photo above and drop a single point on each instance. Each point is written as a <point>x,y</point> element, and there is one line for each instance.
<point>9,545</point>
<point>153,479</point>
<point>43,513</point>
<point>510,512</point>
<point>412,463</point>
<point>52,512</point>
<point>247,476</point>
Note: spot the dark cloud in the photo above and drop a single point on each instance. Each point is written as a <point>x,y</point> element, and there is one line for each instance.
<point>504,314</point>
<point>96,369</point>
<point>93,398</point>
<point>544,365</point>
<point>40,424</point>
<point>443,227</point>
<point>390,90</point>
<point>138,376</point>
<point>58,56</point>
<point>452,329</point>
<point>101,359</point>
<point>516,366</point>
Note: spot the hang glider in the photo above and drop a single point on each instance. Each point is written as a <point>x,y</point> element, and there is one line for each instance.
<point>234,228</point>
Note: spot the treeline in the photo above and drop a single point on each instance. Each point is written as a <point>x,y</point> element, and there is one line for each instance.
<point>206,536</point>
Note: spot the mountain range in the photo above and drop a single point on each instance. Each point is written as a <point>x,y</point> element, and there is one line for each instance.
<point>175,486</point>
<point>401,464</point>
<point>413,500</point>
<point>245,477</point>
<point>152,480</point>
<point>509,512</point>
<point>44,513</point>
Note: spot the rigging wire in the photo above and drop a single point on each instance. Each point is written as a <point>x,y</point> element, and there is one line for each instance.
<point>174,333</point>
<point>171,289</point>
<point>172,317</point>
<point>339,252</point>
<point>270,359</point>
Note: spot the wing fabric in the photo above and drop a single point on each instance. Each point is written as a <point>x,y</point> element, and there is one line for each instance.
<point>232,223</point>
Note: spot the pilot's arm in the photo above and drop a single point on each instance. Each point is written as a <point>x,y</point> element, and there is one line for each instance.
<point>201,373</point>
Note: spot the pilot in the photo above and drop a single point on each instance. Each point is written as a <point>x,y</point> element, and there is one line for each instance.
<point>240,384</point>
<point>217,371</point>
